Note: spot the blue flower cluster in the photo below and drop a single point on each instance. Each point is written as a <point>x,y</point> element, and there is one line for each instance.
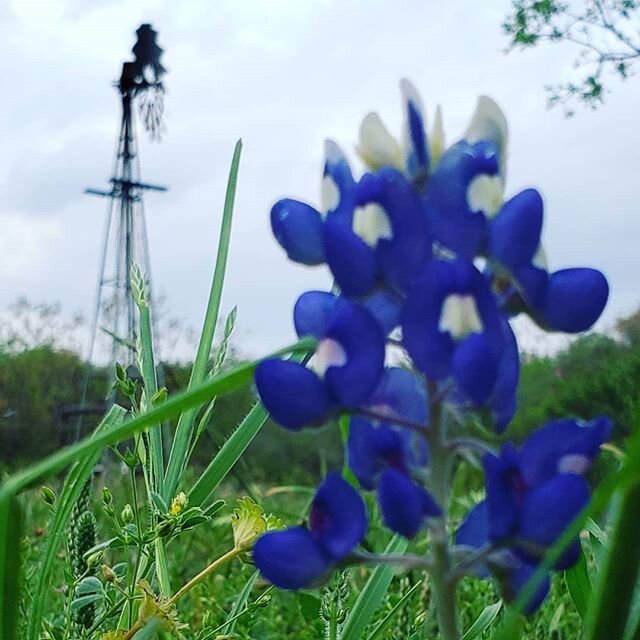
<point>430,261</point>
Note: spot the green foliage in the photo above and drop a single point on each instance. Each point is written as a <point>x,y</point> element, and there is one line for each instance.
<point>602,31</point>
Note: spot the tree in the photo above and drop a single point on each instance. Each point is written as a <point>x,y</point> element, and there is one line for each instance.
<point>604,33</point>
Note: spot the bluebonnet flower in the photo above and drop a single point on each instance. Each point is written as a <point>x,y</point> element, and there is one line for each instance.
<point>534,493</point>
<point>569,300</point>
<point>298,557</point>
<point>344,371</point>
<point>452,327</point>
<point>384,457</point>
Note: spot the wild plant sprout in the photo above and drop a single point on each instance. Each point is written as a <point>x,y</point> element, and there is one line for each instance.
<point>431,261</point>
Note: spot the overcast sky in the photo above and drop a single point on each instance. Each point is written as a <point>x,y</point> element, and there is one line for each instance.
<point>283,75</point>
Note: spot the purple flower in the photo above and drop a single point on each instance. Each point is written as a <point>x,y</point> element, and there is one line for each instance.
<point>346,367</point>
<point>299,557</point>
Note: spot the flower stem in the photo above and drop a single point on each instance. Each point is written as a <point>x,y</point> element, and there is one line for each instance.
<point>444,590</point>
<point>204,573</point>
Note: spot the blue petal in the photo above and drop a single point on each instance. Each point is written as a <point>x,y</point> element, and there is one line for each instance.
<point>298,228</point>
<point>474,532</point>
<point>475,368</point>
<point>533,283</point>
<point>503,402</point>
<point>403,504</point>
<point>401,394</point>
<point>359,335</point>
<point>385,308</point>
<point>351,260</point>
<point>291,393</point>
<point>362,452</point>
<point>502,498</point>
<point>548,510</point>
<point>515,231</point>
<point>575,299</point>
<point>432,350</point>
<point>338,517</point>
<point>515,580</point>
<point>337,168</point>
<point>399,257</point>
<point>290,559</point>
<point>312,313</point>
<point>454,224</point>
<point>371,449</point>
<point>562,446</point>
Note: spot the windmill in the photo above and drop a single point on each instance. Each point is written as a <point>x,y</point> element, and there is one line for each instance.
<point>115,324</point>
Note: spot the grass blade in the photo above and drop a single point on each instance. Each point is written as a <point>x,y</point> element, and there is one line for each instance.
<point>184,431</point>
<point>483,621</point>
<point>376,634</point>
<point>228,455</point>
<point>71,490</point>
<point>617,580</point>
<point>218,385</point>
<point>372,594</point>
<point>579,585</point>
<point>10,566</point>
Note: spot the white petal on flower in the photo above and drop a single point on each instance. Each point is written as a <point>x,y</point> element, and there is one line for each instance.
<point>459,316</point>
<point>371,223</point>
<point>329,353</point>
<point>486,194</point>
<point>377,147</point>
<point>436,138</point>
<point>489,123</point>
<point>573,463</point>
<point>540,259</point>
<point>330,195</point>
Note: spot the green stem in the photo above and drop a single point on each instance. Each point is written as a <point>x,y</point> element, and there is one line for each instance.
<point>444,589</point>
<point>204,573</point>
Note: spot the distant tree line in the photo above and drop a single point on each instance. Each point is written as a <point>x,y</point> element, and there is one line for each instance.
<point>597,374</point>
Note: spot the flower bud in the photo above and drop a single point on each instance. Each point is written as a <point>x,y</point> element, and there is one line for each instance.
<point>165,528</point>
<point>107,498</point>
<point>95,559</point>
<point>179,503</point>
<point>48,495</point>
<point>127,514</point>
<point>108,573</point>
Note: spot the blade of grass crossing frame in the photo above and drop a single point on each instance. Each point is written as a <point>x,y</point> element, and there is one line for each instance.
<point>372,594</point>
<point>218,385</point>
<point>186,424</point>
<point>10,565</point>
<point>71,490</point>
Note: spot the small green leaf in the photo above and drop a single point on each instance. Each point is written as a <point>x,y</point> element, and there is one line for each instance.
<point>88,585</point>
<point>483,621</point>
<point>83,601</point>
<point>10,569</point>
<point>579,585</point>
